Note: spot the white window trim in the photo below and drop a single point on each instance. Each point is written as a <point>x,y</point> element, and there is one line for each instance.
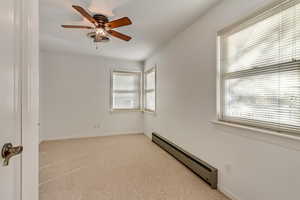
<point>155,91</point>
<point>140,91</point>
<point>258,130</point>
<point>274,130</point>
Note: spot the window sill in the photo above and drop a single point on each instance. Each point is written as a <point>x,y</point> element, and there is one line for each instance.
<point>125,110</point>
<point>260,130</point>
<point>149,112</point>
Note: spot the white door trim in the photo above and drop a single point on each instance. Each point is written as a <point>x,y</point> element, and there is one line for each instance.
<point>18,92</point>
<point>29,42</point>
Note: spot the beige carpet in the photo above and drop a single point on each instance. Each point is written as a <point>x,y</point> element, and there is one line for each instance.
<point>116,168</point>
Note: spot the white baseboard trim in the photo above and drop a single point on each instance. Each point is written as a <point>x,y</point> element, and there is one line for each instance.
<point>228,193</point>
<point>92,136</point>
<point>149,136</point>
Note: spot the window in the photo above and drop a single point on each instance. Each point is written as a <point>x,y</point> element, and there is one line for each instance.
<point>150,90</point>
<point>126,90</point>
<point>259,67</point>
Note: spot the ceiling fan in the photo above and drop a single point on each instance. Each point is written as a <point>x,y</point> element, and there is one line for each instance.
<point>102,27</point>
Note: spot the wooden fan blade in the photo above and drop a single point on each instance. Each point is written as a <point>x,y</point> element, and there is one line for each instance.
<point>119,35</point>
<point>85,14</point>
<point>74,26</point>
<point>125,21</point>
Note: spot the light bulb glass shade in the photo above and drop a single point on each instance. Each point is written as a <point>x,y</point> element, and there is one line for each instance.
<point>101,31</point>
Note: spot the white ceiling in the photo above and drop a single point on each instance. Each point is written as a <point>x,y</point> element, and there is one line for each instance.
<point>154,23</point>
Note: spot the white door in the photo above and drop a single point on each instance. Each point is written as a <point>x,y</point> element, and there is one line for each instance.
<point>10,109</point>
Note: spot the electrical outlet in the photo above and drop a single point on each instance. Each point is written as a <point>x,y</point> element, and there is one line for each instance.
<point>97,126</point>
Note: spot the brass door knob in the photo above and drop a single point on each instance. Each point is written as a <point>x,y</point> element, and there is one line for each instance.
<point>8,151</point>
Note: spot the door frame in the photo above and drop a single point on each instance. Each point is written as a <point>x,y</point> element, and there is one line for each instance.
<point>27,24</point>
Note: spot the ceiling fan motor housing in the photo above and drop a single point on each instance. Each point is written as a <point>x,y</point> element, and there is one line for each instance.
<point>101,19</point>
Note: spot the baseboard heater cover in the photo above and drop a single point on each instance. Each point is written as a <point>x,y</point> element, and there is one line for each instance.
<point>205,171</point>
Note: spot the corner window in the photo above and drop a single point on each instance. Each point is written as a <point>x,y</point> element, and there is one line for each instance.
<point>125,90</point>
<point>150,90</point>
<point>259,68</point>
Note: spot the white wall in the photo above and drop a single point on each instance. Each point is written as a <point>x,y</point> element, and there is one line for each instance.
<point>75,97</point>
<point>252,165</point>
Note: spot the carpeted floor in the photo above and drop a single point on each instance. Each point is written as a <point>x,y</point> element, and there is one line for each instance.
<point>116,168</point>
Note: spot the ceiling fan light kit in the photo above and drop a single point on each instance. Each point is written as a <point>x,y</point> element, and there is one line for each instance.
<point>97,37</point>
<point>102,27</point>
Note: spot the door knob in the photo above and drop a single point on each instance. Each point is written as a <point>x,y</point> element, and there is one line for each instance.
<point>8,151</point>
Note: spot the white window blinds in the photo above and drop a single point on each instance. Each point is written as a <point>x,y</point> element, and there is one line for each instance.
<point>260,69</point>
<point>150,90</point>
<point>126,90</point>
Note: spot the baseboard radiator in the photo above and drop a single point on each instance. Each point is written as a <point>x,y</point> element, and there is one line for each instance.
<point>205,171</point>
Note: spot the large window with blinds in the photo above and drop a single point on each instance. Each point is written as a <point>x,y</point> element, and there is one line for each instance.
<point>125,90</point>
<point>259,67</point>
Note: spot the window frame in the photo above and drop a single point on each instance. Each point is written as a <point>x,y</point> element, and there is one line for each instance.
<point>139,73</point>
<point>240,25</point>
<point>153,69</point>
